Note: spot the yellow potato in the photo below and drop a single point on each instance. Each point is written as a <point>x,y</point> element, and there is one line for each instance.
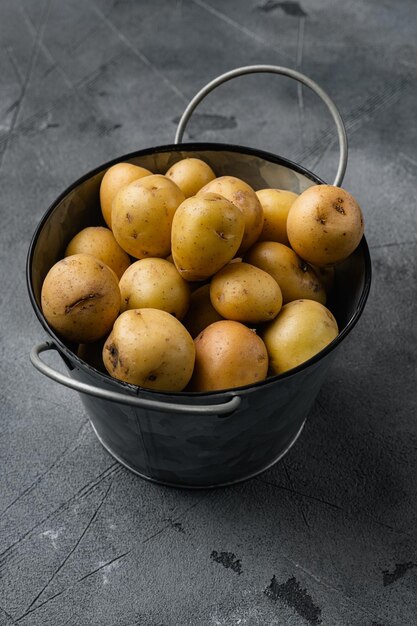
<point>245,293</point>
<point>300,331</point>
<point>100,242</point>
<point>243,196</point>
<point>190,175</point>
<point>80,298</point>
<point>116,177</point>
<point>228,354</point>
<point>206,232</point>
<point>276,204</point>
<point>325,225</point>
<point>294,276</point>
<point>154,283</point>
<point>142,216</point>
<point>150,348</point>
<point>201,312</point>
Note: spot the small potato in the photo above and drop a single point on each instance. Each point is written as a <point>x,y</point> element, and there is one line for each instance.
<point>142,216</point>
<point>243,196</point>
<point>201,312</point>
<point>276,204</point>
<point>80,298</point>
<point>154,283</point>
<point>228,354</point>
<point>245,293</point>
<point>325,225</point>
<point>100,242</point>
<point>294,276</point>
<point>150,348</point>
<point>190,175</point>
<point>116,177</point>
<point>301,330</point>
<point>206,232</point>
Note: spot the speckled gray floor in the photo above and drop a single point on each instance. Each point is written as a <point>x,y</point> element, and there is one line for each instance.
<point>328,536</point>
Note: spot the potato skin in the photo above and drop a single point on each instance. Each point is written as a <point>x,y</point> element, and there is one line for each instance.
<point>294,276</point>
<point>80,298</point>
<point>142,215</point>
<point>276,204</point>
<point>116,177</point>
<point>245,293</point>
<point>244,197</point>
<point>301,330</point>
<point>207,230</point>
<point>190,175</point>
<point>201,312</point>
<point>154,283</point>
<point>100,242</point>
<point>228,355</point>
<point>325,225</point>
<point>150,348</point>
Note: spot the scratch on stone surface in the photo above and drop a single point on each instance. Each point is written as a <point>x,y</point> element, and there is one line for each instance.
<point>408,158</point>
<point>77,543</point>
<point>245,31</point>
<point>26,79</point>
<point>292,487</point>
<point>117,558</point>
<point>393,244</point>
<point>81,493</point>
<point>299,64</point>
<point>175,519</point>
<point>9,618</point>
<point>13,63</point>
<point>399,571</point>
<point>228,560</point>
<point>137,52</point>
<point>354,119</point>
<point>38,479</point>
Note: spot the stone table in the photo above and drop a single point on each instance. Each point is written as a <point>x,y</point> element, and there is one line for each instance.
<point>328,535</point>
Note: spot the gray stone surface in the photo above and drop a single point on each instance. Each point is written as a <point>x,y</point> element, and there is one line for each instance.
<point>328,536</point>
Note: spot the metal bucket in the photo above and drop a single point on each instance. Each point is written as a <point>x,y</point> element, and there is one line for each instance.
<point>196,439</point>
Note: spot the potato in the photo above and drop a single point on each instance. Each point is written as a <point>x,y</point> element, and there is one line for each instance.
<point>276,204</point>
<point>190,175</point>
<point>201,312</point>
<point>100,242</point>
<point>245,293</point>
<point>142,216</point>
<point>243,196</point>
<point>228,354</point>
<point>154,283</point>
<point>207,230</point>
<point>150,348</point>
<point>80,298</point>
<point>300,331</point>
<point>294,276</point>
<point>325,225</point>
<point>116,177</point>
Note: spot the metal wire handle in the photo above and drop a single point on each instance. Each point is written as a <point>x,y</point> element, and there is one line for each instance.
<point>285,71</point>
<point>223,408</point>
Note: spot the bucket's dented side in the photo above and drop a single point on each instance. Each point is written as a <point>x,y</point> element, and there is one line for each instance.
<point>197,449</point>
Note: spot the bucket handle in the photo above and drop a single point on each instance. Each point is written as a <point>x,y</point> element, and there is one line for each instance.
<point>285,71</point>
<point>224,408</point>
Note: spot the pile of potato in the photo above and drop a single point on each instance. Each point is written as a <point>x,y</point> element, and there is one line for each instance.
<point>200,283</point>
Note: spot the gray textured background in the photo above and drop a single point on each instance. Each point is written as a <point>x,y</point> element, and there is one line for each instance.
<point>328,536</point>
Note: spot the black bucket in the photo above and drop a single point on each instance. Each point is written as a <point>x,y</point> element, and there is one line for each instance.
<point>196,439</point>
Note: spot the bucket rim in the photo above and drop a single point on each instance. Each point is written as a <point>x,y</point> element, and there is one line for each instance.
<point>69,355</point>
